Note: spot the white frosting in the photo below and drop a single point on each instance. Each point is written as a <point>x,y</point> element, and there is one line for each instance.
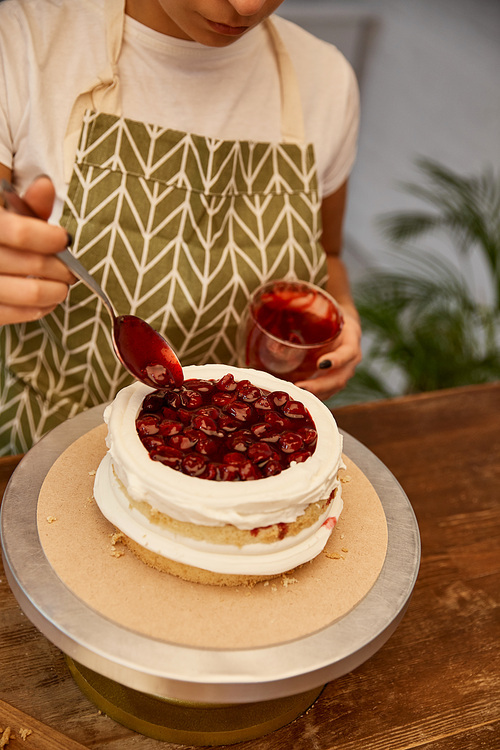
<point>246,505</point>
<point>251,559</point>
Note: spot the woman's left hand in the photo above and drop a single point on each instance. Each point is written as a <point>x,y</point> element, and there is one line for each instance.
<point>343,361</point>
<point>346,354</point>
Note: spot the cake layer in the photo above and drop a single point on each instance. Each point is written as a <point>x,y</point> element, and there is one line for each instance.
<point>251,559</point>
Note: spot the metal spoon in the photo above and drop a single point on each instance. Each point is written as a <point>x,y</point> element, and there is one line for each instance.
<point>140,349</point>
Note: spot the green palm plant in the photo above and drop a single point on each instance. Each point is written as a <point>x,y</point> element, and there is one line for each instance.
<point>423,327</point>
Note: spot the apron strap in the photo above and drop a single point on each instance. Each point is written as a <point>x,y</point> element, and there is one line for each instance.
<point>292,120</point>
<point>104,94</point>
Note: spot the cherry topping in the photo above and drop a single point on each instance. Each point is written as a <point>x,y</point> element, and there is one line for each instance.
<point>271,468</point>
<point>276,420</point>
<point>153,401</point>
<point>248,392</point>
<point>205,424</point>
<point>212,471</point>
<point>234,458</point>
<point>185,415</point>
<point>259,453</point>
<point>183,442</point>
<point>294,409</point>
<point>240,440</point>
<point>248,471</point>
<point>152,442</point>
<point>308,435</point>
<point>167,412</point>
<point>207,446</point>
<point>202,386</point>
<point>174,399</point>
<point>290,442</point>
<point>168,427</point>
<point>168,456</point>
<point>263,403</point>
<point>224,430</point>
<point>148,425</point>
<point>192,399</point>
<point>300,456</point>
<point>228,473</point>
<point>209,411</point>
<point>266,432</point>
<point>223,399</point>
<point>227,383</point>
<point>240,411</point>
<point>278,398</point>
<point>193,464</point>
<point>228,424</point>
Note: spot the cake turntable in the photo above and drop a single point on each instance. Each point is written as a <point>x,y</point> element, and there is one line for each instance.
<point>192,694</point>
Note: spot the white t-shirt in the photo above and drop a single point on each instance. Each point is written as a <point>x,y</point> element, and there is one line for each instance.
<point>52,50</point>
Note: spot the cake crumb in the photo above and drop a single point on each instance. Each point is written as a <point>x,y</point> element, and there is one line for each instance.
<point>51,519</point>
<point>345,479</point>
<point>266,583</point>
<point>342,536</point>
<point>344,549</point>
<point>287,581</point>
<point>92,473</point>
<point>274,587</point>
<point>90,499</point>
<point>4,739</point>
<point>24,733</point>
<point>333,556</point>
<point>116,538</point>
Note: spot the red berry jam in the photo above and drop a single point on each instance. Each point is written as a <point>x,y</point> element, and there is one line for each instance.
<point>225,430</point>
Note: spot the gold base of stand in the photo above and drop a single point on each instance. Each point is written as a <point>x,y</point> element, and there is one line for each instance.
<point>188,723</point>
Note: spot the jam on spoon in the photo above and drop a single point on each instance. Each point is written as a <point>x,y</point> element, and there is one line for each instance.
<point>140,349</point>
<point>145,353</point>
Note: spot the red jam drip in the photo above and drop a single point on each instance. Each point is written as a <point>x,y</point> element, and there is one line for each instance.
<point>225,430</point>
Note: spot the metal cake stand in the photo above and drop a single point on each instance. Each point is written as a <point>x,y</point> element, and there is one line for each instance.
<point>192,695</point>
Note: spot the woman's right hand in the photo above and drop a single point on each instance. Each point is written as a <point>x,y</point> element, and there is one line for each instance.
<point>32,280</point>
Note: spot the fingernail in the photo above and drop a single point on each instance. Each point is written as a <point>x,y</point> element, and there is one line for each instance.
<point>69,240</point>
<point>325,364</point>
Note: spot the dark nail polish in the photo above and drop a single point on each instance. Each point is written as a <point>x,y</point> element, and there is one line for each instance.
<point>325,364</point>
<point>69,240</point>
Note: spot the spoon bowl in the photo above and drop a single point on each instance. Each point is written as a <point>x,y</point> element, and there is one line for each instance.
<point>141,350</point>
<point>144,353</point>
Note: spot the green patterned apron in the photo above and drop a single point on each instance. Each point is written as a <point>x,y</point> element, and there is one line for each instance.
<point>178,229</point>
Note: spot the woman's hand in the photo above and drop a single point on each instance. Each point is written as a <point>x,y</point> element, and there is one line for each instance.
<point>343,360</point>
<point>32,280</point>
<point>346,354</point>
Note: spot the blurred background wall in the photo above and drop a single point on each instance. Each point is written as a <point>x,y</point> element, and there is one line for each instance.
<point>429,73</point>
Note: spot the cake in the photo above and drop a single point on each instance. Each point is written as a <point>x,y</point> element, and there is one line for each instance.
<point>230,479</point>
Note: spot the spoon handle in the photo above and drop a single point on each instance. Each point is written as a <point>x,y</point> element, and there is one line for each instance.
<point>11,201</point>
<point>81,273</point>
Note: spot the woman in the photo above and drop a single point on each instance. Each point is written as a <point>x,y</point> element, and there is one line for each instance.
<point>195,149</point>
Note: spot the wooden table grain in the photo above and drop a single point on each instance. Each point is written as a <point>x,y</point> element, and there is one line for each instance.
<point>434,685</point>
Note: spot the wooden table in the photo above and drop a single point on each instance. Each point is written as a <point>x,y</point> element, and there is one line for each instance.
<point>435,684</point>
